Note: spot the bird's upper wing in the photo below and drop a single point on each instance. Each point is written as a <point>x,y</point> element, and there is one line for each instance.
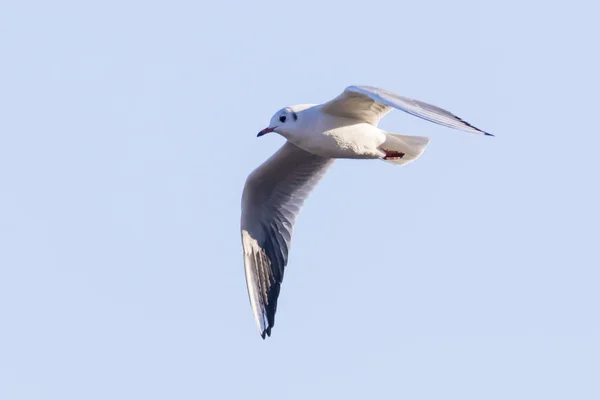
<point>370,104</point>
<point>272,198</point>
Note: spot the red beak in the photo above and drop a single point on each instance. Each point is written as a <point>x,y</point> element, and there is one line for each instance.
<point>265,131</point>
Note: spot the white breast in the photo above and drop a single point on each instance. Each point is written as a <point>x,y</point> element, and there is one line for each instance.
<point>339,137</point>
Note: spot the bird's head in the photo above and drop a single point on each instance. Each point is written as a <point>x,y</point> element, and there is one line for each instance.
<point>288,122</point>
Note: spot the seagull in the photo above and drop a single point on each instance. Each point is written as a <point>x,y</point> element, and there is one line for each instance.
<point>317,134</point>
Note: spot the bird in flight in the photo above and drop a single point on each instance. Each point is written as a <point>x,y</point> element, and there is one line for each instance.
<point>317,134</point>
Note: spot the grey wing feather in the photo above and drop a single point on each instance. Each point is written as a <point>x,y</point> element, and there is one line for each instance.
<point>273,196</point>
<point>370,104</point>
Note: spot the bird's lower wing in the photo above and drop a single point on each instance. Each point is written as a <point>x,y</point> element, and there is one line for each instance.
<point>273,195</point>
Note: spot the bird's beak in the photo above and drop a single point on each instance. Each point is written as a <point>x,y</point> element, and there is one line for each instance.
<point>265,131</point>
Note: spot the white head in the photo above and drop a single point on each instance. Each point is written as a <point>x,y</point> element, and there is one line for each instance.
<point>288,121</point>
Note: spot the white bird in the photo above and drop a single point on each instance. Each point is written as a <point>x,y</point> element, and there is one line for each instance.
<point>345,127</point>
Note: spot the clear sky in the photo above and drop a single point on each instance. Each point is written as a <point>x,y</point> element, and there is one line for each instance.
<point>128,129</point>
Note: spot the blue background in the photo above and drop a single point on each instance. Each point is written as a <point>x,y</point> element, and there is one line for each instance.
<point>128,129</point>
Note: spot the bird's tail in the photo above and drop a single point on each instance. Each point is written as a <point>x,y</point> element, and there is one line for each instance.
<point>402,149</point>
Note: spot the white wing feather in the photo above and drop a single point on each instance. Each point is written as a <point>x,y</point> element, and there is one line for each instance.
<point>272,198</point>
<point>370,104</point>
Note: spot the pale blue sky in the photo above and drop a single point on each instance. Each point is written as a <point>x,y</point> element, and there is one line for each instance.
<point>128,129</point>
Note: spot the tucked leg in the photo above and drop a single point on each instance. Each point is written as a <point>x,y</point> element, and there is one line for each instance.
<point>392,154</point>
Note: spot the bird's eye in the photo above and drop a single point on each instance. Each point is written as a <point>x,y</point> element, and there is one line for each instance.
<point>295,116</point>
<point>282,118</point>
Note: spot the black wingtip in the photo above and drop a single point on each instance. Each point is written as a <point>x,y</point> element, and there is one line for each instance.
<point>266,332</point>
<point>489,134</point>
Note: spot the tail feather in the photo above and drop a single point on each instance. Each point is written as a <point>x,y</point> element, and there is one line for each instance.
<point>411,146</point>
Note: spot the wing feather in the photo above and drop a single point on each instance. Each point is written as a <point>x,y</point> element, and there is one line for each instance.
<point>370,104</point>
<point>273,196</point>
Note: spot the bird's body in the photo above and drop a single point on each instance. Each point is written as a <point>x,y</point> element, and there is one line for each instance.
<point>337,137</point>
<point>345,127</point>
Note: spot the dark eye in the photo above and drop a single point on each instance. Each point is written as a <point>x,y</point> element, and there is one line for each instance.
<point>282,118</point>
<point>295,116</point>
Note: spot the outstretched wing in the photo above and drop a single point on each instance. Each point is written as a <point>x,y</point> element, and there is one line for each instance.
<point>272,198</point>
<point>370,104</point>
